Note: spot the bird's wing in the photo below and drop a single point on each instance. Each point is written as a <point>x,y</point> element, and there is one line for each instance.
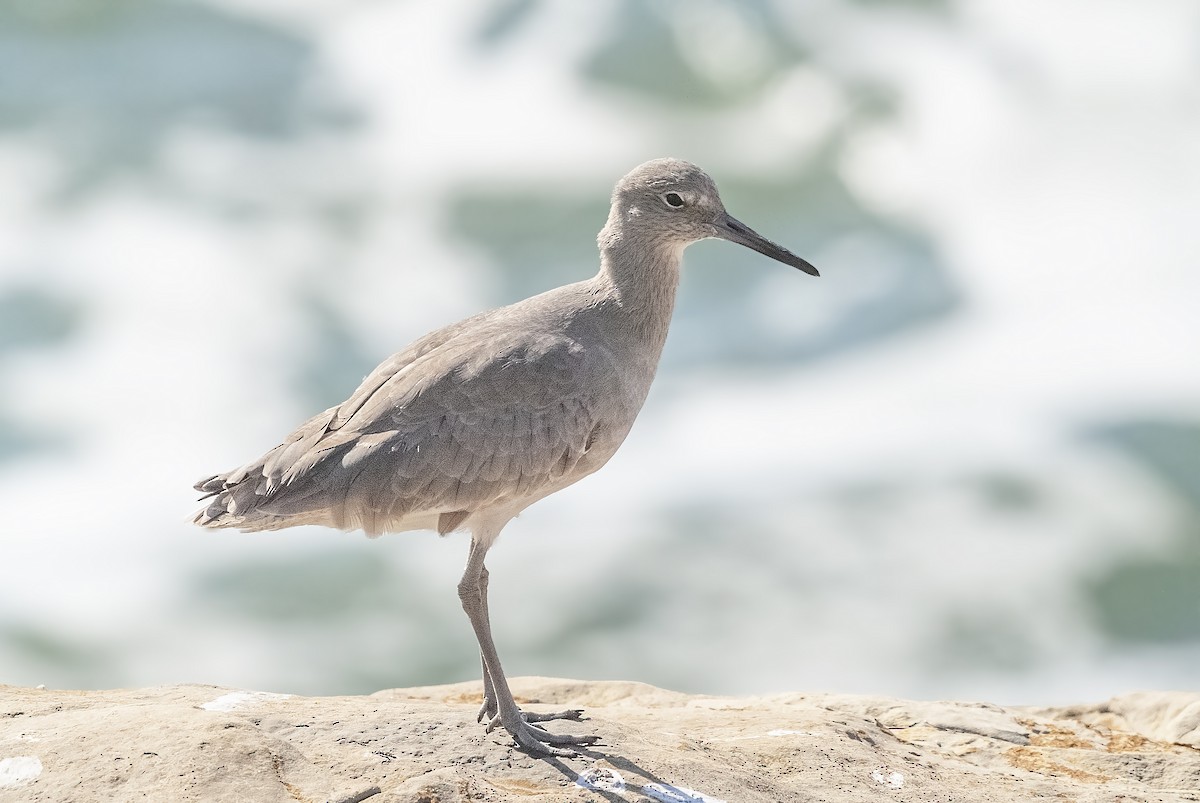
<point>447,427</point>
<point>267,470</point>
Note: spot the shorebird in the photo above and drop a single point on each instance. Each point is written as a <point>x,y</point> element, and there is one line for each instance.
<point>473,423</point>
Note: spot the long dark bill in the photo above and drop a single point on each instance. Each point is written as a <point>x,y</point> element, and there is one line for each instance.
<point>729,228</point>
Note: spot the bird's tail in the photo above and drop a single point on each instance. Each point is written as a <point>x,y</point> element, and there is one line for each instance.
<point>233,503</point>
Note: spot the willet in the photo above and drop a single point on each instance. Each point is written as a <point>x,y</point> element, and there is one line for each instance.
<point>473,423</point>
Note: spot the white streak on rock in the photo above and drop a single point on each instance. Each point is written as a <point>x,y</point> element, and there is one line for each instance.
<point>895,780</point>
<point>236,699</point>
<point>601,778</point>
<point>19,769</point>
<point>676,794</point>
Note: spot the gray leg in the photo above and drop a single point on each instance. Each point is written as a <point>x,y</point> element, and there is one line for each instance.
<point>531,737</point>
<point>489,710</point>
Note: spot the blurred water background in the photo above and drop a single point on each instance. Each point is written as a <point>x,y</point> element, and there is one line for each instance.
<point>963,463</point>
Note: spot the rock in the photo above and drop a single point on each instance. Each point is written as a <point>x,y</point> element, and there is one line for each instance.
<point>202,743</point>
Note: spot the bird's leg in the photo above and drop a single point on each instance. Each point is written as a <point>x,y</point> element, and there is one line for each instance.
<point>489,710</point>
<point>508,716</point>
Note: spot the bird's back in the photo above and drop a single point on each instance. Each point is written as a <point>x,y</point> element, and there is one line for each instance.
<point>495,411</point>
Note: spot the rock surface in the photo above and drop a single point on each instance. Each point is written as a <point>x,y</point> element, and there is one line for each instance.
<point>201,743</point>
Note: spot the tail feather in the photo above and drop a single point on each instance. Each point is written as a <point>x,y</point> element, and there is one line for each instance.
<point>230,503</point>
<point>238,497</point>
<point>255,496</point>
<point>211,486</point>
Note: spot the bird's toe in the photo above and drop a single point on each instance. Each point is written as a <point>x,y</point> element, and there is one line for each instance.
<point>574,714</point>
<point>487,711</point>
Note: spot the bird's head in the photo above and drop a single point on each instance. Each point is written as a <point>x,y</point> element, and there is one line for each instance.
<point>675,202</point>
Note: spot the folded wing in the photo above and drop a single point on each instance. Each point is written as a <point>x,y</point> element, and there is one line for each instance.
<point>466,418</point>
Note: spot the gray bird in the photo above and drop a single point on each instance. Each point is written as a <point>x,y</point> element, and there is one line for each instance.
<point>473,423</point>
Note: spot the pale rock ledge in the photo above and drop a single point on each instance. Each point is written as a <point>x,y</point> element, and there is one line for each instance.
<point>201,743</point>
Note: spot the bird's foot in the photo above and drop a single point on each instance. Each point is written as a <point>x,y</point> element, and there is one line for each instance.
<point>537,740</point>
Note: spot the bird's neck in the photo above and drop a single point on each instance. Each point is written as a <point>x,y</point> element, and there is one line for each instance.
<point>642,278</point>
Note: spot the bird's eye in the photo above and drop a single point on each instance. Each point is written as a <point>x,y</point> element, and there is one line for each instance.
<point>673,199</point>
